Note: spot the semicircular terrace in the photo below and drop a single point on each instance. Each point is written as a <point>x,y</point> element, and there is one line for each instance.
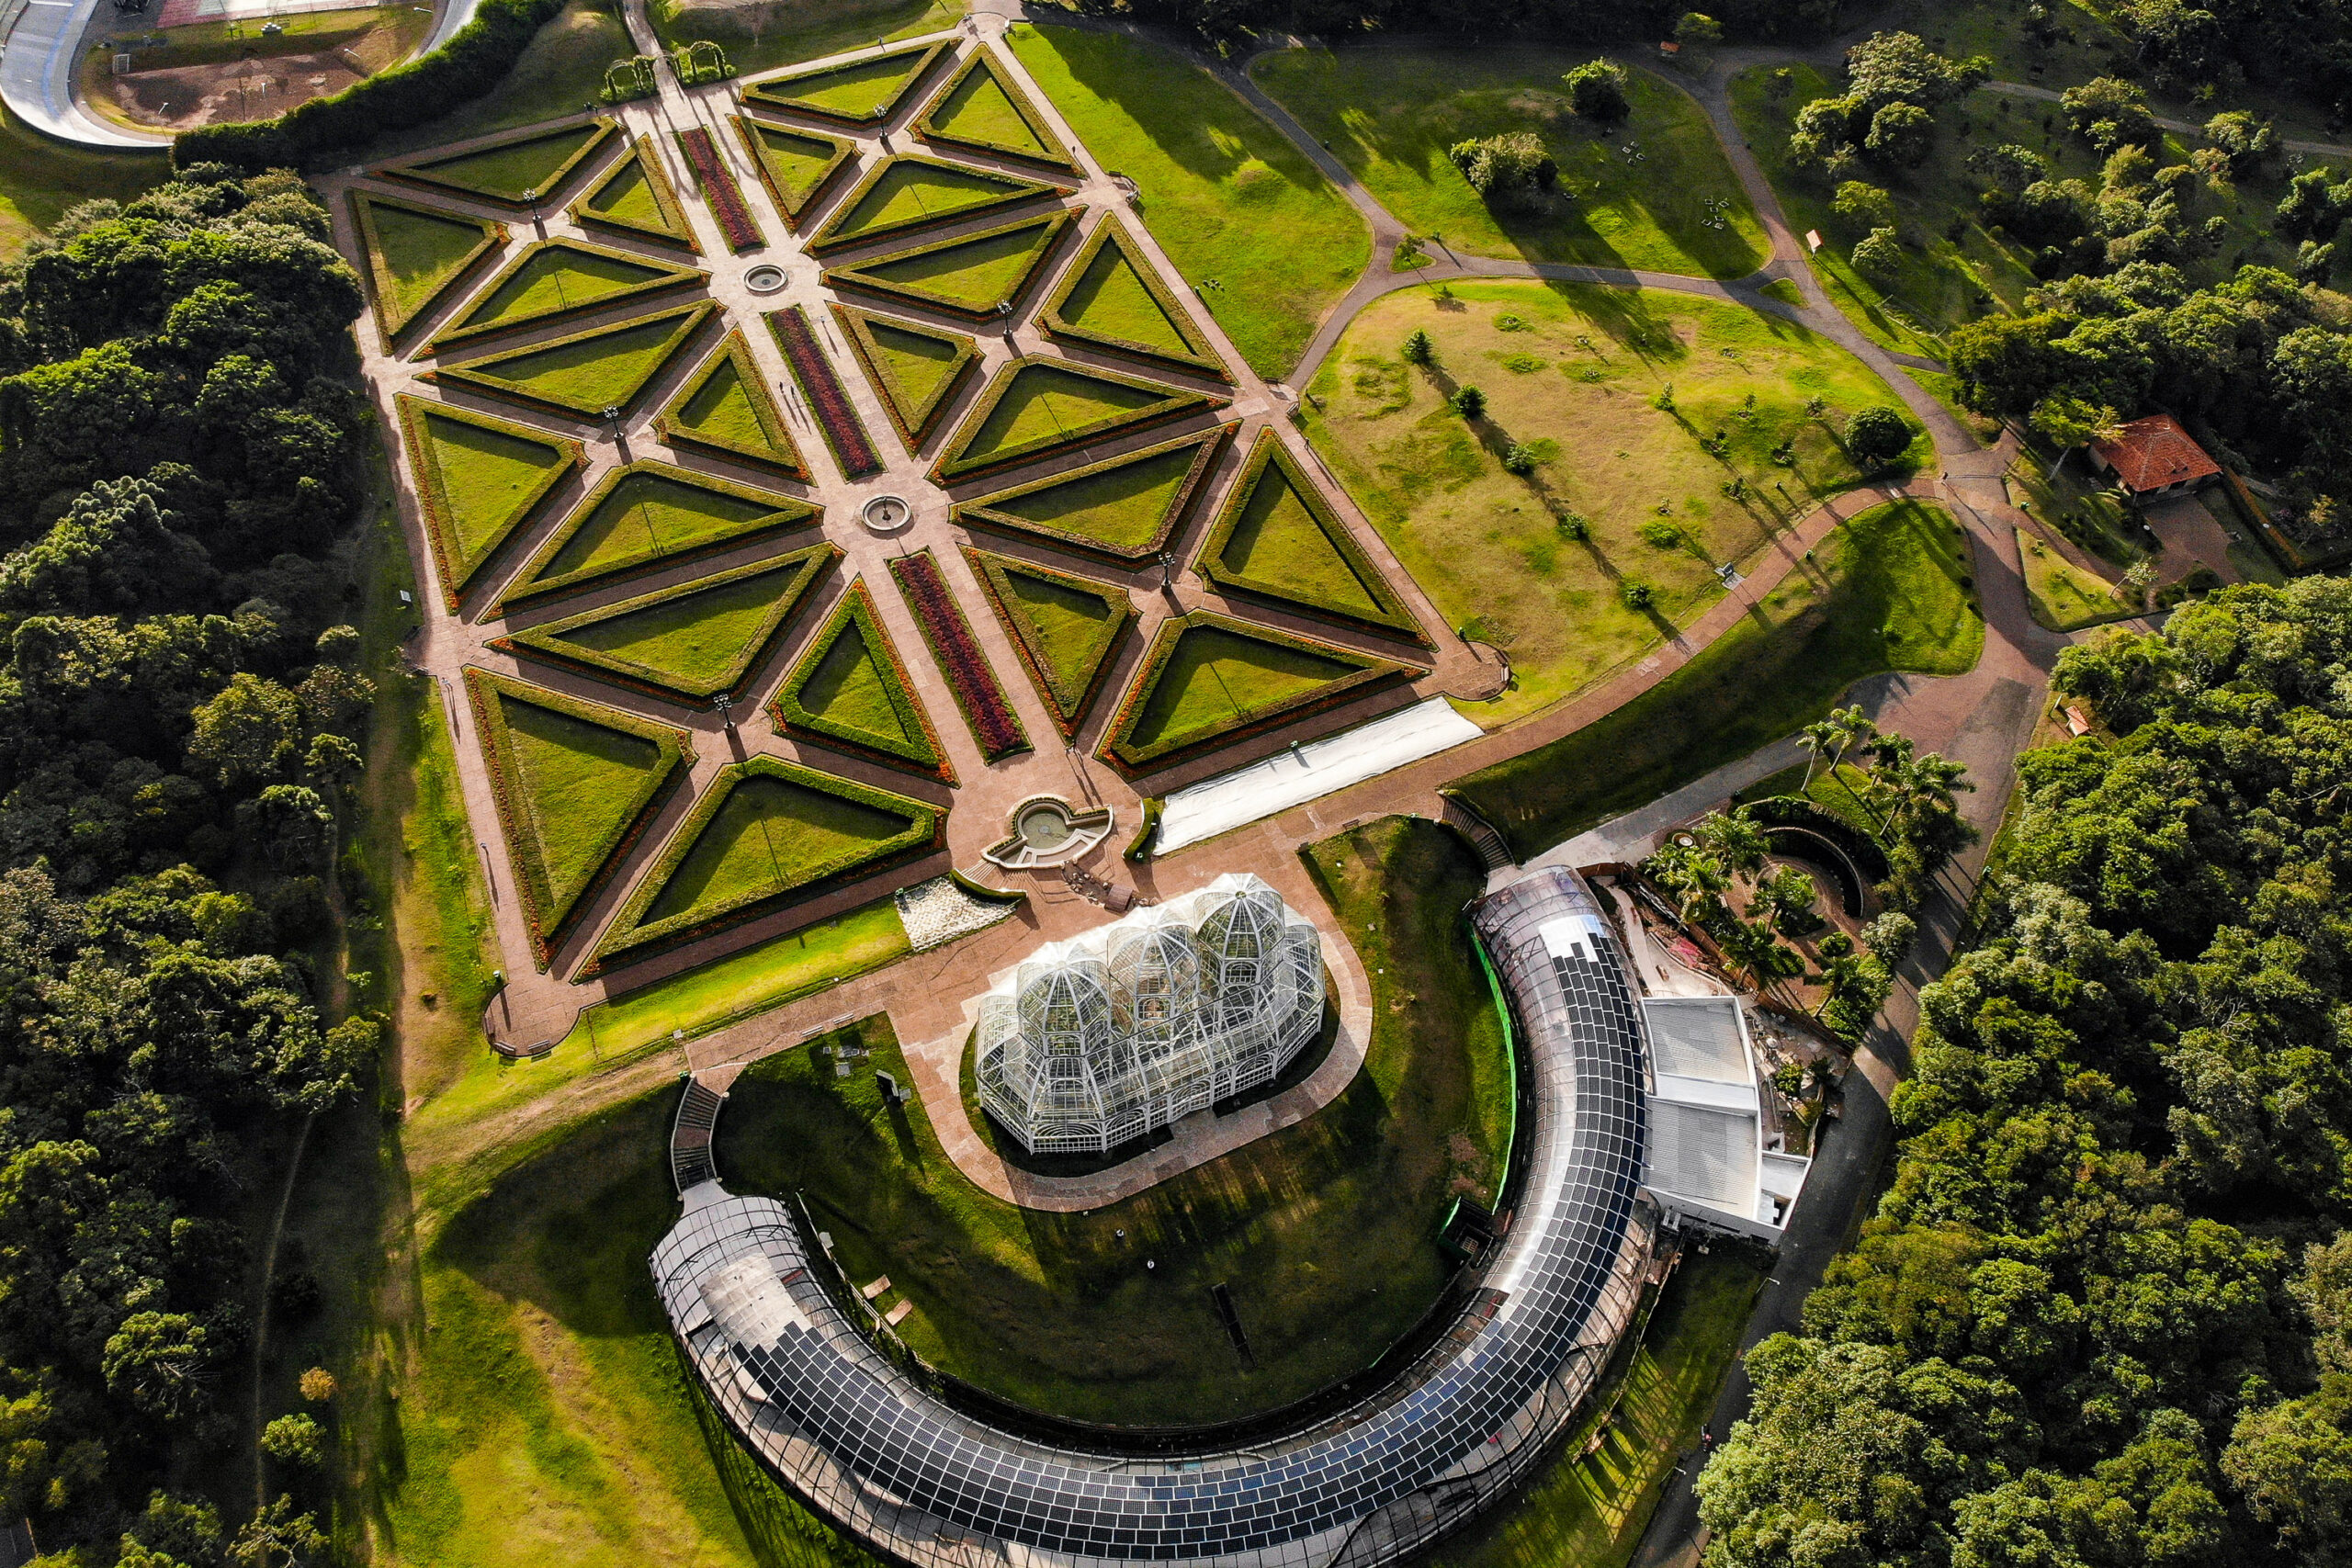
<point>923,1482</point>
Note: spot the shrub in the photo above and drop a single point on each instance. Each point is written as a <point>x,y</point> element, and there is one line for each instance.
<point>1596,92</point>
<point>1469,402</point>
<point>1901,136</point>
<point>1877,436</point>
<point>1418,349</point>
<point>1864,206</point>
<point>318,1385</point>
<point>2110,112</point>
<point>1513,164</point>
<point>470,65</point>
<point>1659,534</point>
<point>1637,594</point>
<point>2249,142</point>
<point>1879,256</point>
<point>1696,29</point>
<point>1518,460</point>
<point>294,1441</point>
<point>1575,525</point>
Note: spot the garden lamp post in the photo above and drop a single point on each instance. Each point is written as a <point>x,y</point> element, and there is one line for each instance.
<point>725,707</point>
<point>613,421</point>
<point>1167,569</point>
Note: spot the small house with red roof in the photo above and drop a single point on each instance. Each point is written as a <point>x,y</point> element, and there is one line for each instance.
<point>2153,456</point>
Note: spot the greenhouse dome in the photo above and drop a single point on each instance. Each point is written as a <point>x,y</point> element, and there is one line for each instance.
<point>1096,1041</point>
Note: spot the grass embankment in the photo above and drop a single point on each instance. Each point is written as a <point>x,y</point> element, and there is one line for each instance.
<point>1890,592</point>
<point>560,73</point>
<point>1324,1231</point>
<point>1659,195</point>
<point>41,178</point>
<point>1954,268</point>
<point>1590,1510</point>
<point>1572,376</point>
<point>764,36</point>
<point>1246,220</point>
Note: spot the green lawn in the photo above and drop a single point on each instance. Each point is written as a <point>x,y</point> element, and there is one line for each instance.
<point>2061,595</point>
<point>726,406</point>
<point>852,686</point>
<point>589,372</point>
<point>910,192</point>
<point>855,90</point>
<point>417,255</point>
<point>795,165</point>
<point>1066,626</point>
<point>41,178</point>
<point>980,110</point>
<point>1572,376</point>
<point>482,476</point>
<point>1590,1510</point>
<point>766,37</point>
<point>557,276</point>
<point>513,169</point>
<point>629,197</point>
<point>1659,195</point>
<point>1220,678</point>
<point>763,840</point>
<point>1126,507</point>
<point>1324,1231</point>
<point>976,274</point>
<point>1232,202</point>
<point>644,515</point>
<point>851,689</point>
<point>697,639</point>
<point>560,73</point>
<point>1888,593</point>
<point>1046,403</point>
<point>1110,299</point>
<point>1275,538</point>
<point>916,369</point>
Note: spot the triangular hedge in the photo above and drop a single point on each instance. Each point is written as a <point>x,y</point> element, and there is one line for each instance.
<point>646,516</point>
<point>1112,297</point>
<point>916,370</point>
<point>724,409</point>
<point>1034,406</point>
<point>1210,680</point>
<point>981,107</point>
<point>634,197</point>
<point>1066,628</point>
<point>478,478</point>
<point>851,689</point>
<point>508,170</point>
<point>587,372</point>
<point>860,92</point>
<point>575,783</point>
<point>698,641</point>
<point>797,166</point>
<point>1122,509</point>
<point>530,289</point>
<point>974,275</point>
<point>910,193</point>
<point>1278,538</point>
<point>769,832</point>
<point>416,253</point>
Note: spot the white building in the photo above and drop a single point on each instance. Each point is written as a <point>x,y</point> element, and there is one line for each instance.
<point>1707,1157</point>
<point>1091,1042</point>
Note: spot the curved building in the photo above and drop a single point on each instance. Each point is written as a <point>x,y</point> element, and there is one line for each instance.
<point>923,1482</point>
<point>1091,1042</point>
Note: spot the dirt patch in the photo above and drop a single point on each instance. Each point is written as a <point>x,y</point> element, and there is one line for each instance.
<point>184,97</point>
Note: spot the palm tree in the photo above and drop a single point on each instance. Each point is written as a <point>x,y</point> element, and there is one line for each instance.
<point>1735,841</point>
<point>1696,881</point>
<point>1817,738</point>
<point>1859,733</point>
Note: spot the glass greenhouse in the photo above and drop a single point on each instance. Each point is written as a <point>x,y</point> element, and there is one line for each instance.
<point>1096,1041</point>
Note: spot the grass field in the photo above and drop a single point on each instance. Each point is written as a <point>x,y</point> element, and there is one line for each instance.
<point>853,90</point>
<point>1325,1231</point>
<point>766,838</point>
<point>557,276</point>
<point>39,179</point>
<point>593,371</point>
<point>1045,403</point>
<point>727,406</point>
<point>976,274</point>
<point>420,254</point>
<point>982,110</point>
<point>1591,1510</point>
<point>645,516</point>
<point>850,689</point>
<point>916,369</point>
<point>796,164</point>
<point>908,193</point>
<point>2061,595</point>
<point>771,34</point>
<point>1572,376</point>
<point>1275,538</point>
<point>481,480</point>
<point>1127,506</point>
<point>1248,220</point>
<point>1659,195</point>
<point>629,197</point>
<point>560,71</point>
<point>515,169</point>
<point>1066,626</point>
<point>850,685</point>
<point>697,639</point>
<point>1111,299</point>
<point>1218,678</point>
<point>1888,593</point>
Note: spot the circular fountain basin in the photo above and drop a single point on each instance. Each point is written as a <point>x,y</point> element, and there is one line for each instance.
<point>764,278</point>
<point>887,514</point>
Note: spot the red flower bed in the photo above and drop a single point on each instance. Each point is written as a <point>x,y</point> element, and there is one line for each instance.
<point>823,389</point>
<point>718,188</point>
<point>951,643</point>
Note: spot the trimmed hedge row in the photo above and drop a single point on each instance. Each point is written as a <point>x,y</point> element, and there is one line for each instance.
<point>1112,234</point>
<point>768,89</point>
<point>328,129</point>
<point>663,280</point>
<point>924,755</point>
<point>547,924</point>
<point>1068,708</point>
<point>844,432</point>
<point>676,231</point>
<point>984,513</point>
<point>383,288</point>
<point>1014,192</point>
<point>957,654</point>
<point>1269,457</point>
<point>791,205</point>
<point>419,171</point>
<point>630,940</point>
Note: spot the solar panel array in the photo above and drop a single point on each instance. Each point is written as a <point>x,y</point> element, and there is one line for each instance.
<point>872,1448</point>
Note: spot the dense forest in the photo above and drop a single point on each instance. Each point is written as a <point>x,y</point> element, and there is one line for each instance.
<point>2103,1315</point>
<point>180,715</point>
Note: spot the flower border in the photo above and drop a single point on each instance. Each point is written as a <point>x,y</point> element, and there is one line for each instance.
<point>994,725</point>
<point>844,432</point>
<point>785,709</point>
<point>515,813</point>
<point>720,192</point>
<point>453,573</point>
<point>1069,711</point>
